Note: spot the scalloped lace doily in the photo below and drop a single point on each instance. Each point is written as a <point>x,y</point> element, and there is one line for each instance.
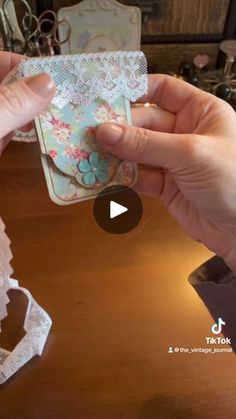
<point>81,79</point>
<point>37,323</point>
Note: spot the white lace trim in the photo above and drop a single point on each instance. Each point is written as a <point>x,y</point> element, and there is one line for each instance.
<point>25,137</point>
<point>81,79</point>
<point>37,323</point>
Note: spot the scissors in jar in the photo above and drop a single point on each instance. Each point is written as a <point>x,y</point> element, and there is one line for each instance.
<point>41,33</point>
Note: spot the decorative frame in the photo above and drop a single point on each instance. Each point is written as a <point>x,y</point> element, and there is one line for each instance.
<point>101,25</point>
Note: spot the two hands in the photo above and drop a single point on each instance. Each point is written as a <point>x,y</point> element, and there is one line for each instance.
<point>186,148</point>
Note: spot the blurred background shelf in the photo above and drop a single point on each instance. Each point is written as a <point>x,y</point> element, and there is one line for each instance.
<point>176,30</point>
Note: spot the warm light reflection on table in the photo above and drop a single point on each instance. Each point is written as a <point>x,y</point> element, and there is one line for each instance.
<point>117,302</point>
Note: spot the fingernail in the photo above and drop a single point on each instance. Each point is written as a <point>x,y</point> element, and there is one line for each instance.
<point>41,85</point>
<point>110,134</point>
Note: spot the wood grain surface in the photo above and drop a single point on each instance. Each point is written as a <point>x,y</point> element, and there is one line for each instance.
<point>117,304</point>
<point>179,16</point>
<point>187,17</point>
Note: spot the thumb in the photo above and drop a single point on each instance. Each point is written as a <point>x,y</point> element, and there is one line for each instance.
<point>21,101</point>
<point>146,147</point>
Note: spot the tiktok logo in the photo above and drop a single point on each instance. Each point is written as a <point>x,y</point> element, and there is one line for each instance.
<point>217,327</point>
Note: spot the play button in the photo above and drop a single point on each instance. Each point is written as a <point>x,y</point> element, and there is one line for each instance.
<point>118,209</point>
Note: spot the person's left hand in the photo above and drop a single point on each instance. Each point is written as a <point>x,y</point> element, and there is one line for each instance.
<point>21,101</point>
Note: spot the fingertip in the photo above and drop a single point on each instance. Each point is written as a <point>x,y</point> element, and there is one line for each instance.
<point>109,134</point>
<point>42,85</point>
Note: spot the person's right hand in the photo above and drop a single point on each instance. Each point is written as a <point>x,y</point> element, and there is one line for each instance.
<point>192,137</point>
<point>21,101</point>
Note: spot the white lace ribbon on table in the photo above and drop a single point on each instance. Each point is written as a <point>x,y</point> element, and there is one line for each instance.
<point>81,79</point>
<point>37,323</point>
<point>25,137</point>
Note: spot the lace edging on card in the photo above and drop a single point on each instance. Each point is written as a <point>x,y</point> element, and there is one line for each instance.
<point>81,79</point>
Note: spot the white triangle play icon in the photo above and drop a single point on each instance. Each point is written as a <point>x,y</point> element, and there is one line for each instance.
<point>116,209</point>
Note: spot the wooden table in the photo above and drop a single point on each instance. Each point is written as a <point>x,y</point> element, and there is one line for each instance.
<point>117,304</point>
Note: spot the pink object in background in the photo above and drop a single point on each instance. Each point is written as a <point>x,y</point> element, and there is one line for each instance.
<point>201,61</point>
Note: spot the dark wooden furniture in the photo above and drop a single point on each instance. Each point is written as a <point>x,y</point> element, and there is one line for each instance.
<point>176,30</point>
<point>117,303</point>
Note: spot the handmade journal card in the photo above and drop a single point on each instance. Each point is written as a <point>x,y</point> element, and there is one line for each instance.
<point>91,89</point>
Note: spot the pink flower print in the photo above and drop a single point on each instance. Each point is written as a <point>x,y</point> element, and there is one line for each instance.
<point>61,130</point>
<point>72,152</point>
<point>90,131</point>
<point>46,120</point>
<point>80,154</point>
<point>53,154</point>
<point>57,123</point>
<point>68,152</point>
<point>105,113</point>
